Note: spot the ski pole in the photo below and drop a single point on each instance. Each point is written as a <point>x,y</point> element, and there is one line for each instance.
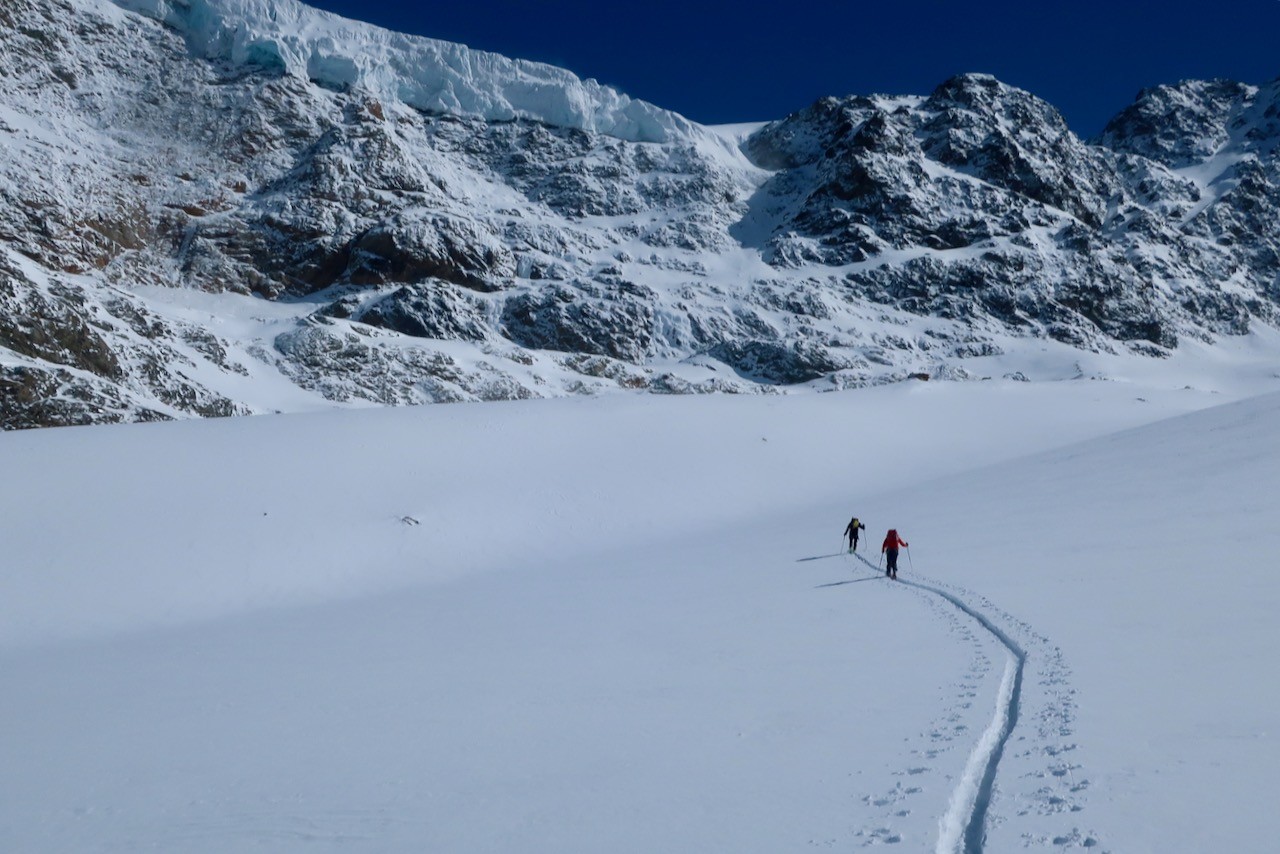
<point>909,560</point>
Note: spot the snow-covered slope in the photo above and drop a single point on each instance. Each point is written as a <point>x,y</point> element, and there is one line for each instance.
<point>624,624</point>
<point>620,623</point>
<point>431,223</point>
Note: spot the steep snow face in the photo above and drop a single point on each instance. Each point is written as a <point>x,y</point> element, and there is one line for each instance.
<point>426,74</point>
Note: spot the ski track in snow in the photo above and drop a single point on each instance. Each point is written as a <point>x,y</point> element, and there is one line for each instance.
<point>970,815</point>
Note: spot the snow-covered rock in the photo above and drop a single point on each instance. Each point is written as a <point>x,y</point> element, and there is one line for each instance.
<point>336,214</point>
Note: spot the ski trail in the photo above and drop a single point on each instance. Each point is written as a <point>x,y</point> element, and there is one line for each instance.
<point>962,830</point>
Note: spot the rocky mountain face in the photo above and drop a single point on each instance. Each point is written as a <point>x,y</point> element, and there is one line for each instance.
<point>991,209</point>
<point>216,207</point>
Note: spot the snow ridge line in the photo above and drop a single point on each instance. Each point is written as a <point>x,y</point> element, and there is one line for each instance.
<point>962,830</point>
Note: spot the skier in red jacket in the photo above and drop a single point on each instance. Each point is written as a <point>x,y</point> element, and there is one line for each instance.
<point>891,543</point>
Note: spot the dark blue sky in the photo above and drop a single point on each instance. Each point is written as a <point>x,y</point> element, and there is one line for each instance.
<point>730,62</point>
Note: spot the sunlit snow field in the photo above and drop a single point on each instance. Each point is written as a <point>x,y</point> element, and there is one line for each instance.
<point>627,623</point>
